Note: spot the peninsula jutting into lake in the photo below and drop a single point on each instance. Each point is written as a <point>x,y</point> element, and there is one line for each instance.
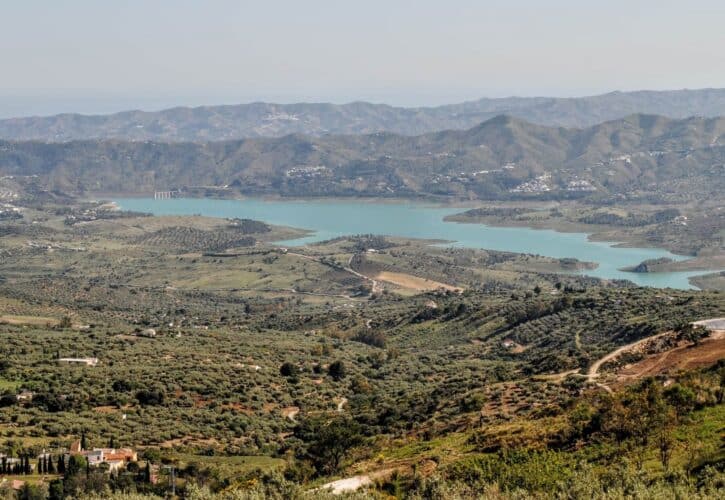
<point>333,219</point>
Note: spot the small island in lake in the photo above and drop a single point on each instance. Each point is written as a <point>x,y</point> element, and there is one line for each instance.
<point>649,266</point>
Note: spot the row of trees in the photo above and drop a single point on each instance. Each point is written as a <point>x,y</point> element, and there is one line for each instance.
<point>22,466</point>
<point>46,465</point>
<point>336,370</point>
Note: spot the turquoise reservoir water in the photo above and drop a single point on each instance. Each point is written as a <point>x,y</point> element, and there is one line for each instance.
<point>330,219</point>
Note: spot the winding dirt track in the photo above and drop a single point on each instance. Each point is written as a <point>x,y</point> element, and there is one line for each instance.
<point>376,285</point>
<point>593,372</point>
<point>683,355</point>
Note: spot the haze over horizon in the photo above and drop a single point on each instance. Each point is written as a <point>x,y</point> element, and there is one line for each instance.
<point>88,103</point>
<point>87,57</point>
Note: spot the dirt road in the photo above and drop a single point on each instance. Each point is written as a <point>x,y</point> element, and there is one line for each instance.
<point>354,483</point>
<point>377,287</point>
<point>593,372</point>
<point>347,485</point>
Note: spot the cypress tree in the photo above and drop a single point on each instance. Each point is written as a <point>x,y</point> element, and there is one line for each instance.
<point>83,440</point>
<point>147,473</point>
<point>55,490</point>
<point>61,464</point>
<point>75,465</point>
<point>28,470</point>
<point>41,466</point>
<point>4,465</point>
<point>49,467</point>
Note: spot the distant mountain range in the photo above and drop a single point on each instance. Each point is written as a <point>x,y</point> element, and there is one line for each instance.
<point>639,157</point>
<point>217,123</point>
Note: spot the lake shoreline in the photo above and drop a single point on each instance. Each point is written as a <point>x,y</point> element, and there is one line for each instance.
<point>329,218</point>
<point>594,234</point>
<point>398,200</point>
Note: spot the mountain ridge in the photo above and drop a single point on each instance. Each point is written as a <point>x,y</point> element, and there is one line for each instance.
<point>641,156</point>
<point>259,119</point>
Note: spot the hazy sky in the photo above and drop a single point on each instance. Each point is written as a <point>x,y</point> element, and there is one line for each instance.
<point>99,56</point>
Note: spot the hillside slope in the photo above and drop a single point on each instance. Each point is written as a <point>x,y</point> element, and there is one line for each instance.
<point>640,157</point>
